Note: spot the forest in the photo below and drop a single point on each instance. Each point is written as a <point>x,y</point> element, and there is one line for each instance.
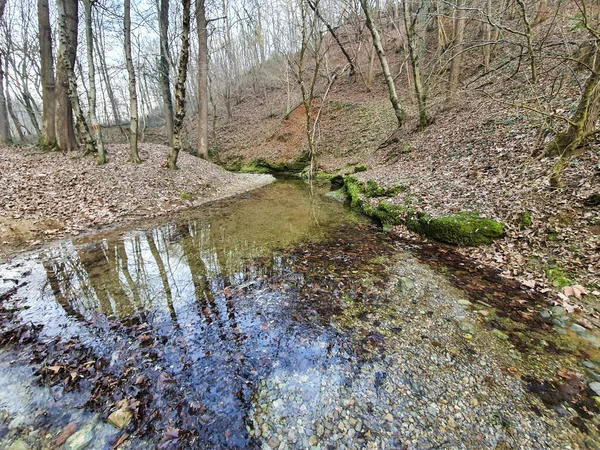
<point>360,224</point>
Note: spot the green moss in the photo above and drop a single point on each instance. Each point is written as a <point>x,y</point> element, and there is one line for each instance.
<point>186,196</point>
<point>385,212</point>
<point>559,278</point>
<point>526,219</point>
<point>253,168</point>
<point>388,214</point>
<point>362,168</point>
<point>467,229</point>
<point>372,189</point>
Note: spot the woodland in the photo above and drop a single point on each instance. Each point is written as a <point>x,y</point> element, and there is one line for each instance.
<point>465,126</point>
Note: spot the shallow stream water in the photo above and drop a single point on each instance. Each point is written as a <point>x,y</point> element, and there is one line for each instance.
<point>279,319</point>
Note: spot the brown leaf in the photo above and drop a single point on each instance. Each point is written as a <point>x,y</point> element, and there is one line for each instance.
<point>66,432</point>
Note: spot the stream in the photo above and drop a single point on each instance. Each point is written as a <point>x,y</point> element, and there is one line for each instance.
<point>281,319</point>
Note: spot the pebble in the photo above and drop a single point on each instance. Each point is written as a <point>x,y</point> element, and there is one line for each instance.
<point>595,386</point>
<point>80,439</point>
<point>19,445</point>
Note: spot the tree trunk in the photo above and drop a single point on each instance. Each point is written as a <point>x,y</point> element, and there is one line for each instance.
<point>414,55</point>
<point>163,72</point>
<point>583,124</point>
<point>457,47</point>
<point>4,125</point>
<point>202,79</point>
<point>18,126</point>
<point>180,86</point>
<point>400,115</point>
<point>134,156</point>
<point>529,41</point>
<point>106,78</point>
<point>487,37</point>
<point>314,6</point>
<point>48,138</point>
<point>5,137</point>
<point>67,46</point>
<point>92,81</point>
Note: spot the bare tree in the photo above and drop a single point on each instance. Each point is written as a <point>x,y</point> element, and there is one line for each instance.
<point>4,125</point>
<point>65,61</point>
<point>457,46</point>
<point>202,79</point>
<point>410,23</point>
<point>48,138</point>
<point>180,86</point>
<point>389,79</point>
<point>134,156</point>
<point>163,69</point>
<point>92,82</point>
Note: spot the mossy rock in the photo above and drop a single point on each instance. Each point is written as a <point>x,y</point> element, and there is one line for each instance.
<point>253,168</point>
<point>339,195</point>
<point>361,168</point>
<point>262,165</point>
<point>468,229</point>
<point>385,212</point>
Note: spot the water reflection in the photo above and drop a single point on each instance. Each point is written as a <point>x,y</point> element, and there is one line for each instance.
<point>172,267</point>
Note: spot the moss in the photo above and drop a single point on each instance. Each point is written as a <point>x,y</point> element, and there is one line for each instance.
<point>324,176</point>
<point>526,219</point>
<point>467,229</point>
<point>388,214</point>
<point>362,168</point>
<point>385,212</point>
<point>372,189</point>
<point>559,278</point>
<point>253,168</point>
<point>186,196</point>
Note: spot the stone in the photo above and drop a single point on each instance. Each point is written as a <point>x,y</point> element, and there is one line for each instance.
<point>313,440</point>
<point>273,442</point>
<point>464,302</point>
<point>577,328</point>
<point>81,439</point>
<point>500,335</point>
<point>121,417</point>
<point>558,311</point>
<point>467,327</point>
<point>389,417</point>
<point>595,386</point>
<point>405,284</point>
<point>545,314</point>
<point>19,445</point>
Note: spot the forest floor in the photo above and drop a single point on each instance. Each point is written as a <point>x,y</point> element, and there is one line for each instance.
<point>46,196</point>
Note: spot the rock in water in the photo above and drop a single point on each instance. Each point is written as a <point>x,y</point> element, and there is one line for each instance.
<point>121,417</point>
<point>595,386</point>
<point>405,284</point>
<point>81,439</point>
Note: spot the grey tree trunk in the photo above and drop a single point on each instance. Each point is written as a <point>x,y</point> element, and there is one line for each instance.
<point>581,126</point>
<point>48,138</point>
<point>202,79</point>
<point>106,78</point>
<point>92,82</point>
<point>4,125</point>
<point>400,115</point>
<point>165,84</point>
<point>459,37</point>
<point>415,57</point>
<point>134,156</point>
<point>67,46</point>
<point>180,86</point>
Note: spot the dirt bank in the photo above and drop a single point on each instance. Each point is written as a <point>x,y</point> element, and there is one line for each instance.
<point>49,195</point>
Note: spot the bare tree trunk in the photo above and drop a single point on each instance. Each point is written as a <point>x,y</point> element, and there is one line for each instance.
<point>134,156</point>
<point>165,84</point>
<point>529,41</point>
<point>106,78</point>
<point>18,126</point>
<point>487,37</point>
<point>314,6</point>
<point>48,138</point>
<point>92,81</point>
<point>4,125</point>
<point>414,55</point>
<point>457,46</point>
<point>581,126</point>
<point>67,45</point>
<point>202,79</point>
<point>180,86</point>
<point>5,137</point>
<point>400,115</point>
